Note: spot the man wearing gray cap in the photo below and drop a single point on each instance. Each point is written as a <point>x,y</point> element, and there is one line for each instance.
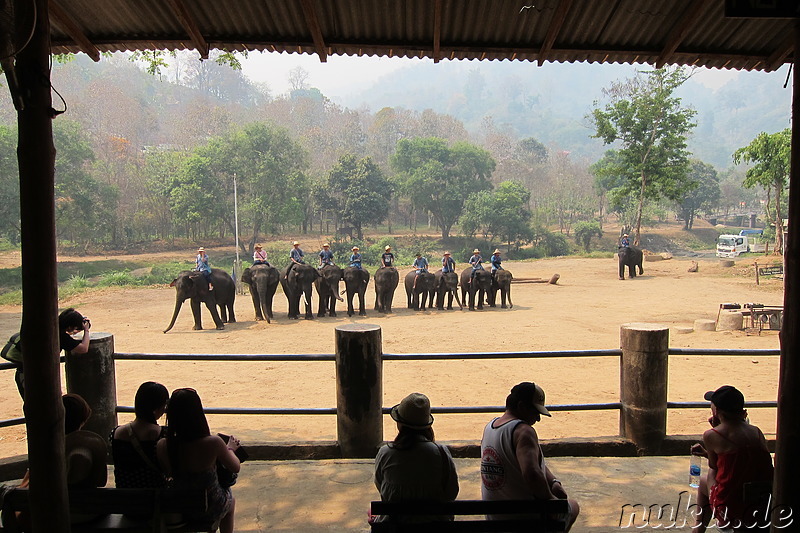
<point>512,463</point>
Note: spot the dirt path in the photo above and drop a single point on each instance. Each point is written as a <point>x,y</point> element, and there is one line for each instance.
<point>584,311</point>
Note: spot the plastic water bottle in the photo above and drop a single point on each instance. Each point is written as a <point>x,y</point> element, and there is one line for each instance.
<point>694,471</point>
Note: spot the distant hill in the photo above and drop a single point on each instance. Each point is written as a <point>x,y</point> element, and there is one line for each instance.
<point>551,102</point>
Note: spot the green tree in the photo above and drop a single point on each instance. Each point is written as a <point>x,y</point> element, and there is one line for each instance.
<point>585,231</point>
<point>502,213</point>
<point>439,178</point>
<point>770,155</point>
<point>9,184</point>
<point>703,197</point>
<point>360,191</point>
<point>648,121</point>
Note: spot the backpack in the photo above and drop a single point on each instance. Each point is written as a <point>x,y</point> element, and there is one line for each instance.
<point>12,351</point>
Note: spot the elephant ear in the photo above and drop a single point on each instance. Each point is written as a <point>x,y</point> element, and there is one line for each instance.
<point>246,278</point>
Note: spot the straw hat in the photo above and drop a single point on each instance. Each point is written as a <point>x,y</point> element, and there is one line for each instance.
<point>447,253</point>
<point>354,248</point>
<point>496,251</point>
<point>476,251</point>
<point>201,249</point>
<point>414,411</point>
<point>86,456</point>
<point>388,248</point>
<point>295,243</point>
<point>326,245</point>
<point>258,246</point>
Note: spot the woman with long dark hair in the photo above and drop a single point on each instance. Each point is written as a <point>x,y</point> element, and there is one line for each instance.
<point>413,466</point>
<point>133,445</point>
<point>190,453</point>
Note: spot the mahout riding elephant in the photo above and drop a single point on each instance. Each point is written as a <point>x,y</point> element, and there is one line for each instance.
<point>501,281</point>
<point>481,285</point>
<point>355,282</point>
<point>630,256</point>
<point>191,284</point>
<point>298,283</point>
<point>386,281</point>
<point>445,285</point>
<point>327,285</point>
<point>263,281</point>
<point>418,296</point>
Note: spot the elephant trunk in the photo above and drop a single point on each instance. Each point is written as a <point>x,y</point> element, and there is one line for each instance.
<point>178,304</point>
<point>455,293</point>
<point>261,289</point>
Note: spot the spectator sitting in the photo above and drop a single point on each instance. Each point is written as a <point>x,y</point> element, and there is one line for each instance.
<point>496,262</point>
<point>260,256</point>
<point>420,265</point>
<point>448,264</point>
<point>296,256</point>
<point>624,241</point>
<point>387,257</point>
<point>133,446</point>
<point>737,454</point>
<point>202,266</point>
<point>189,455</point>
<point>476,261</point>
<point>413,466</point>
<point>326,256</point>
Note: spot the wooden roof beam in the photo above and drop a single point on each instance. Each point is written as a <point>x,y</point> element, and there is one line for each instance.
<point>314,28</point>
<point>190,25</point>
<point>71,28</point>
<point>437,31</point>
<point>554,29</point>
<point>778,57</point>
<point>689,18</point>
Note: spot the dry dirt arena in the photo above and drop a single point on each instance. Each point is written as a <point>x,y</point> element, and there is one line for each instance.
<point>583,311</point>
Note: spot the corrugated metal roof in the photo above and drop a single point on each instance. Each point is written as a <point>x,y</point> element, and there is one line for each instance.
<point>692,32</point>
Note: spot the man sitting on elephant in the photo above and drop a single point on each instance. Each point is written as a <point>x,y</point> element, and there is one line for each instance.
<point>296,256</point>
<point>355,258</point>
<point>448,264</point>
<point>421,265</point>
<point>260,256</point>
<point>325,256</point>
<point>496,261</point>
<point>476,261</point>
<point>387,258</point>
<point>624,241</point>
<point>202,266</point>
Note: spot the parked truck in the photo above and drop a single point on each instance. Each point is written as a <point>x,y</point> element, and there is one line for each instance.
<point>746,241</point>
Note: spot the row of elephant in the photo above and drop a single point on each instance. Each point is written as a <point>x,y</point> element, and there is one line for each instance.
<point>297,284</point>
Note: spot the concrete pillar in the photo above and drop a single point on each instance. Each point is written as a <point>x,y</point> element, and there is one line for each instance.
<point>359,389</point>
<point>93,376</point>
<point>643,385</point>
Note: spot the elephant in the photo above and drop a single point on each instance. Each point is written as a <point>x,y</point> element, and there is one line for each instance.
<point>386,281</point>
<point>263,281</point>
<point>298,283</point>
<point>355,282</point>
<point>417,296</point>
<point>190,284</point>
<point>445,285</point>
<point>501,281</point>
<point>630,256</point>
<point>481,284</point>
<point>327,285</point>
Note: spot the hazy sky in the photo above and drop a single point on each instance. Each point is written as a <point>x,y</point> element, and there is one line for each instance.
<point>337,77</point>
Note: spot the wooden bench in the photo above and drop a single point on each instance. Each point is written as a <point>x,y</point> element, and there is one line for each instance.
<point>170,510</point>
<point>542,516</point>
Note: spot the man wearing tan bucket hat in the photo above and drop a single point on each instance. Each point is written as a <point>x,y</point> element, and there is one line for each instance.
<point>512,463</point>
<point>413,466</point>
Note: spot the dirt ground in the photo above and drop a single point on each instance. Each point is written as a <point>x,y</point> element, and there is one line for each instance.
<point>583,311</point>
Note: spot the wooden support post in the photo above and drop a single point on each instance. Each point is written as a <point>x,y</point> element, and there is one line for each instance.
<point>787,460</point>
<point>643,385</point>
<point>93,376</point>
<point>359,389</point>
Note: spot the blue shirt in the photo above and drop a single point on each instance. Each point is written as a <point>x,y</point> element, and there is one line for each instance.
<point>326,257</point>
<point>355,260</point>
<point>476,261</point>
<point>202,263</point>
<point>421,264</point>
<point>625,242</point>
<point>297,254</point>
<point>496,261</point>
<point>448,264</point>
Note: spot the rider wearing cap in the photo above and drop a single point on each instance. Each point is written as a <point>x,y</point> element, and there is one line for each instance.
<point>387,258</point>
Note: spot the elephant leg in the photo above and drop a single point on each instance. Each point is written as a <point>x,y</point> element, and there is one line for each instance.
<point>322,307</point>
<point>256,303</point>
<point>198,321</point>
<point>481,296</point>
<point>641,270</point>
<point>307,299</point>
<point>212,308</point>
<point>362,310</point>
<point>231,315</point>
<point>268,307</point>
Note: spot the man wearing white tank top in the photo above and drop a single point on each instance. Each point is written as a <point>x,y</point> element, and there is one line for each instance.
<point>512,463</point>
